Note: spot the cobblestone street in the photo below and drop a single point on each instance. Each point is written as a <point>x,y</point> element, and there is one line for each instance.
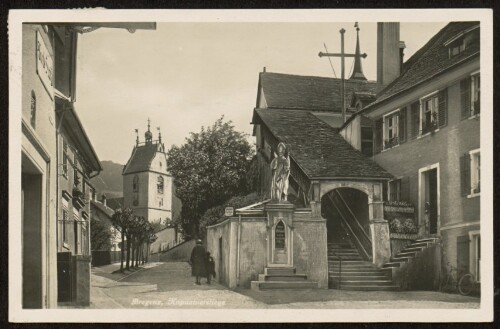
<point>170,285</point>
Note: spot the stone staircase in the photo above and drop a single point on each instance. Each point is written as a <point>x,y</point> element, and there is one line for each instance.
<point>355,272</point>
<point>282,278</point>
<point>409,252</point>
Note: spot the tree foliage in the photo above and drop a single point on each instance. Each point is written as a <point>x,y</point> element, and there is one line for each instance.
<point>216,214</point>
<point>100,234</point>
<point>209,168</point>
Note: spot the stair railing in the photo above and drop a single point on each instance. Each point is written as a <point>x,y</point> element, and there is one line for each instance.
<point>356,220</point>
<point>363,246</point>
<point>340,269</point>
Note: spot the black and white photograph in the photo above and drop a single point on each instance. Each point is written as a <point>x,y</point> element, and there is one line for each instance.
<point>250,166</point>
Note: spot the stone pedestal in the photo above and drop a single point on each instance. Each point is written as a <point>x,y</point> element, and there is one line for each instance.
<point>279,234</point>
<point>381,241</point>
<point>81,283</point>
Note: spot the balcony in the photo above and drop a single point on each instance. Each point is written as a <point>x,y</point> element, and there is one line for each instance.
<point>78,198</point>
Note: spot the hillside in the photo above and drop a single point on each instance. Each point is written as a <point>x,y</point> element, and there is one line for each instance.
<point>110,180</point>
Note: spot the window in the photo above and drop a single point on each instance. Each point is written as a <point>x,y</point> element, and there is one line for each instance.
<point>470,169</point>
<point>367,141</point>
<point>135,184</point>
<point>394,131</point>
<point>470,90</point>
<point>475,254</point>
<point>476,93</point>
<point>475,165</point>
<point>456,47</point>
<point>433,111</point>
<point>428,117</point>
<point>65,159</point>
<point>33,110</point>
<point>76,178</point>
<point>395,190</point>
<point>160,184</point>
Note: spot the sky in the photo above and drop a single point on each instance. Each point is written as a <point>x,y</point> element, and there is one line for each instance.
<point>186,75</point>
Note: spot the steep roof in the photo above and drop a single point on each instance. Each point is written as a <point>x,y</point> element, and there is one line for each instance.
<point>115,203</point>
<point>106,210</point>
<point>316,147</point>
<point>428,62</point>
<point>141,158</point>
<point>287,91</point>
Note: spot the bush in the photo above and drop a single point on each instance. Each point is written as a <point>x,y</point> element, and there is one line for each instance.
<point>216,214</point>
<point>403,226</point>
<point>409,226</point>
<point>395,226</point>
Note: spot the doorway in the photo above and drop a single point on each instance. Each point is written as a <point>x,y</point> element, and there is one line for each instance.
<point>429,201</point>
<point>31,213</point>
<point>221,280</point>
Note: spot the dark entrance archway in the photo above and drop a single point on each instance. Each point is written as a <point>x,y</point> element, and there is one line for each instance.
<point>347,213</point>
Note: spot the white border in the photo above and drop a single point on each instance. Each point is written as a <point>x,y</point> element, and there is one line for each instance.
<point>484,313</point>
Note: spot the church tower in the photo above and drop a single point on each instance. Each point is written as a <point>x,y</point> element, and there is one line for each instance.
<point>147,184</point>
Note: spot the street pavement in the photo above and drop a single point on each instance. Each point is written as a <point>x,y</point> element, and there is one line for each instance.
<point>170,285</point>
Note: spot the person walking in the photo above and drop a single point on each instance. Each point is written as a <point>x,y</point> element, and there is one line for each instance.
<point>198,261</point>
<point>210,267</point>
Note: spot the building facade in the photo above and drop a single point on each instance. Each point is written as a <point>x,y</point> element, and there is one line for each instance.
<point>426,133</point>
<point>39,170</point>
<point>57,160</point>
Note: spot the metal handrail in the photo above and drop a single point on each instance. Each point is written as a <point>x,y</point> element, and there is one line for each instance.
<point>340,268</point>
<point>349,228</point>
<point>354,216</point>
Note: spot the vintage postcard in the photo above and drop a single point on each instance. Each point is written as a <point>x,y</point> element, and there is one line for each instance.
<point>250,164</point>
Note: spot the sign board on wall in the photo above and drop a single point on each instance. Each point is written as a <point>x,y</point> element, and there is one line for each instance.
<point>229,211</point>
<point>44,64</point>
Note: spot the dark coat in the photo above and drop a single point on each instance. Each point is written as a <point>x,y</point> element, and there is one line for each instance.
<point>198,261</point>
<point>211,266</point>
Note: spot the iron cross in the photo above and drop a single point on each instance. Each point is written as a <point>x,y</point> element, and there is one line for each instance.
<point>342,56</point>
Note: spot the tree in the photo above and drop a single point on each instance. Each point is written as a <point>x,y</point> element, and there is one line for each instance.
<point>209,168</point>
<point>122,220</point>
<point>100,234</point>
<point>216,214</point>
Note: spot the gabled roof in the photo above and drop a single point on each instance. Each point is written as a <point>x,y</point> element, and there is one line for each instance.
<point>428,62</point>
<point>287,91</point>
<point>316,147</point>
<point>141,158</point>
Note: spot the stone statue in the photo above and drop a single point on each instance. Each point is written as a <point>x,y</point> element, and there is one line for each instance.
<point>280,167</point>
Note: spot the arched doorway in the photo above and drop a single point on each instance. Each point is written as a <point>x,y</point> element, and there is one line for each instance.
<point>348,220</point>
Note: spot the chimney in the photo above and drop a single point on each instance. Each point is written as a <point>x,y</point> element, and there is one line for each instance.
<point>104,199</point>
<point>402,47</point>
<point>388,53</point>
<point>264,70</point>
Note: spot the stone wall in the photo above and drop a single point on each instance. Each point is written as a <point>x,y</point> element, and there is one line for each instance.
<point>181,252</point>
<point>310,249</point>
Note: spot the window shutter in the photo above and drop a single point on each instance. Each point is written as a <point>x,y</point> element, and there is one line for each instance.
<point>443,108</point>
<point>402,125</point>
<point>462,255</point>
<point>405,188</point>
<point>378,135</point>
<point>465,174</point>
<point>415,119</point>
<point>465,97</point>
